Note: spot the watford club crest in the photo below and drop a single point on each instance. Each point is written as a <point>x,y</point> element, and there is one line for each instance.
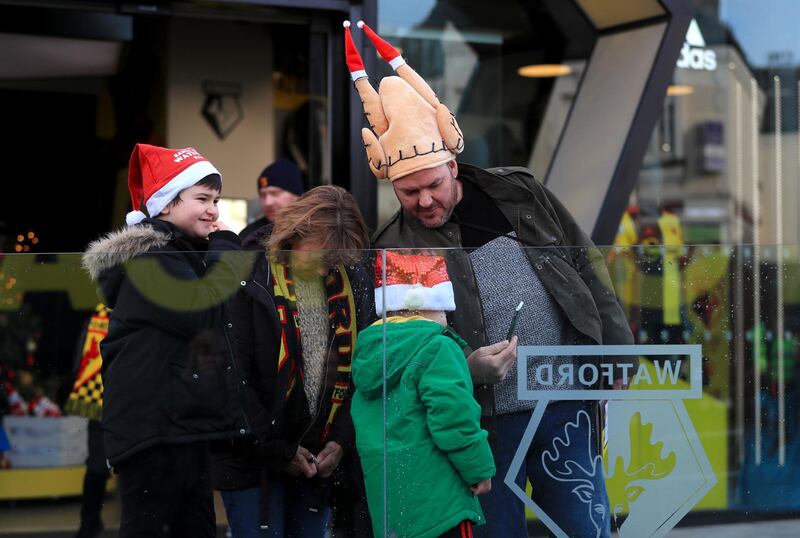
<point>222,108</point>
<point>654,464</point>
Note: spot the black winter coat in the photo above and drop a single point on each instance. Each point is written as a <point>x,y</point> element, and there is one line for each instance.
<point>280,425</point>
<point>169,372</point>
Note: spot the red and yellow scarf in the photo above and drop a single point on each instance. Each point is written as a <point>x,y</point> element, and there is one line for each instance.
<point>86,398</point>
<point>341,337</point>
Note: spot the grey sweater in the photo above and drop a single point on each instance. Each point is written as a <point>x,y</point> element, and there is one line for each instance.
<point>312,307</point>
<point>540,322</point>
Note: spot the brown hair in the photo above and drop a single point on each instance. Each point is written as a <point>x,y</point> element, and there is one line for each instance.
<point>327,214</point>
<point>212,181</point>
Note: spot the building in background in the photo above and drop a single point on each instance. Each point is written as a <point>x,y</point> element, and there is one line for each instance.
<point>81,82</point>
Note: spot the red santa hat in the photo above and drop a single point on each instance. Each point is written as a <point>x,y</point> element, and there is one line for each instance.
<point>16,403</point>
<point>413,282</point>
<point>157,175</point>
<point>44,407</point>
<point>351,56</point>
<point>384,48</point>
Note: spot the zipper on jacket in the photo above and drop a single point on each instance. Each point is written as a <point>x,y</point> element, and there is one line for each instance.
<point>321,399</point>
<point>241,381</point>
<point>236,369</point>
<point>238,372</point>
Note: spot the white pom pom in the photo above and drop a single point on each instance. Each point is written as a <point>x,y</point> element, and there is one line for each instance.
<point>414,299</point>
<point>134,217</point>
<point>346,24</point>
<point>360,24</point>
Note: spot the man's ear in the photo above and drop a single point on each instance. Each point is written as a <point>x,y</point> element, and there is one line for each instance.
<point>453,166</point>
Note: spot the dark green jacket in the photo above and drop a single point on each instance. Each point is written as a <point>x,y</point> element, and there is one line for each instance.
<point>434,446</point>
<point>575,277</point>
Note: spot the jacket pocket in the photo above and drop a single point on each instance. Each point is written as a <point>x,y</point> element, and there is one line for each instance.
<point>198,383</point>
<point>554,269</point>
<point>572,293</point>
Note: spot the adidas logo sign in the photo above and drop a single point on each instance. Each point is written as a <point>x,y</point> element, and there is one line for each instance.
<point>694,54</point>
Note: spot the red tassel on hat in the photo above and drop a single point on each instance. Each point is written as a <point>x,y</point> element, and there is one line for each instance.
<point>354,63</point>
<point>385,49</point>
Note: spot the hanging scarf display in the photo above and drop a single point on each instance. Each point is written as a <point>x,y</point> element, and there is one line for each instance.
<point>86,398</point>
<point>341,336</point>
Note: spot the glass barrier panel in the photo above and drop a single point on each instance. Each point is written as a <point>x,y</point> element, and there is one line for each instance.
<point>642,387</point>
<point>634,389</point>
<point>228,371</point>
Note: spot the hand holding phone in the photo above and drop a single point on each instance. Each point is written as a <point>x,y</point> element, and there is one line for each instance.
<point>514,321</point>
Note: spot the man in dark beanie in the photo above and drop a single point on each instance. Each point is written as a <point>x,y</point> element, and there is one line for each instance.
<point>280,184</point>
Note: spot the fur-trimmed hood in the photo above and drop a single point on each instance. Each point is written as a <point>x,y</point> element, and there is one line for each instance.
<point>116,248</point>
<point>105,258</point>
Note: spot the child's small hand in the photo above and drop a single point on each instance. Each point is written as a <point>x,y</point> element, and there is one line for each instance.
<point>481,487</point>
<point>219,226</point>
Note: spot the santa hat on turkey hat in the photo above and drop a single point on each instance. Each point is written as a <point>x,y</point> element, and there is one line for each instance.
<point>413,282</point>
<point>157,175</point>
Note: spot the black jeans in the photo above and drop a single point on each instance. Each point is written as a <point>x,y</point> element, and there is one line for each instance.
<point>166,491</point>
<point>94,483</point>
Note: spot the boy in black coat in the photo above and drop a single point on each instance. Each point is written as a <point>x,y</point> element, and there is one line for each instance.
<point>171,380</point>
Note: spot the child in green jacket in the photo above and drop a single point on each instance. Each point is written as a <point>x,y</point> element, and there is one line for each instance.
<point>437,457</point>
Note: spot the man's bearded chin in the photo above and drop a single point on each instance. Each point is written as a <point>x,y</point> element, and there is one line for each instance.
<point>445,217</point>
<point>449,212</point>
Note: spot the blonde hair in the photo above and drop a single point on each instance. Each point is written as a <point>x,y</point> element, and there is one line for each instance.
<point>329,215</point>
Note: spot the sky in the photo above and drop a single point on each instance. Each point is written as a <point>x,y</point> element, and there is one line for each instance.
<point>406,12</point>
<point>764,26</point>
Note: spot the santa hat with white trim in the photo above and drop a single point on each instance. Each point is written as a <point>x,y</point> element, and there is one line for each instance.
<point>409,129</point>
<point>413,282</point>
<point>157,175</point>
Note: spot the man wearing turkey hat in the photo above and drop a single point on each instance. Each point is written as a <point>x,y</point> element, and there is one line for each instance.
<point>510,239</point>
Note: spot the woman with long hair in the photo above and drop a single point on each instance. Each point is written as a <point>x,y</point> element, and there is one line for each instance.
<point>295,323</point>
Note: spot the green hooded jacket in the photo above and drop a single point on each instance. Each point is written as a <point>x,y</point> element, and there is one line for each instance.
<point>435,447</point>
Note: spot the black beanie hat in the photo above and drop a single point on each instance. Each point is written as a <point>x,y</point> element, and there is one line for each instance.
<point>283,174</point>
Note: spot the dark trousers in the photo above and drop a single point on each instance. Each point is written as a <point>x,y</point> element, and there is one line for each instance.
<point>563,466</point>
<point>166,491</point>
<point>94,483</point>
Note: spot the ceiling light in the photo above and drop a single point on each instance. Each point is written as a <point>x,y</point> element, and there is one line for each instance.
<point>544,70</point>
<point>680,89</point>
<point>25,56</point>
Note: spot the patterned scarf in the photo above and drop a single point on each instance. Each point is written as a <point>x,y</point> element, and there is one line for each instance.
<point>86,398</point>
<point>341,336</point>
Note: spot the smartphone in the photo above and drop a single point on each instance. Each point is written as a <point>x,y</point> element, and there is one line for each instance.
<point>514,321</point>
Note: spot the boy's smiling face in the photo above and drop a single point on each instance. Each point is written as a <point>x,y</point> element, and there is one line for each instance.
<point>195,213</point>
